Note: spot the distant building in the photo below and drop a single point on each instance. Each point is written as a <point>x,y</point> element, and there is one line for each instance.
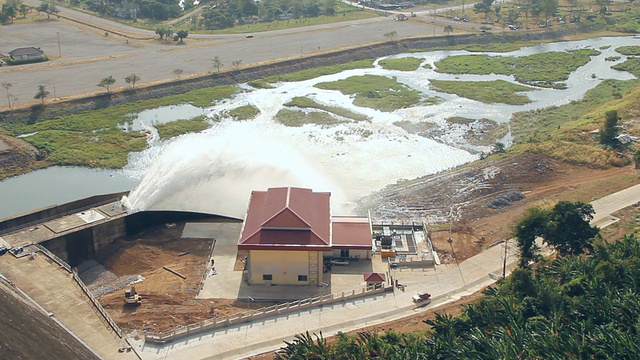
<point>289,231</point>
<point>126,10</point>
<point>401,17</point>
<point>26,53</point>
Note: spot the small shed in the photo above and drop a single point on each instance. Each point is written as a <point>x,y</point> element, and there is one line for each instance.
<point>373,279</point>
<point>27,53</point>
<point>401,17</point>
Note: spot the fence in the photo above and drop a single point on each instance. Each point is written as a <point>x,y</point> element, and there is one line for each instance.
<point>206,268</point>
<point>255,314</point>
<point>116,329</point>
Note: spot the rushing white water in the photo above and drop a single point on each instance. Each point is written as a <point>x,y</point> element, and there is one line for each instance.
<point>216,170</point>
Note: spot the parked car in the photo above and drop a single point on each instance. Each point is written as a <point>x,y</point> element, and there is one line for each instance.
<point>421,297</point>
<point>341,262</point>
<point>3,250</point>
<point>250,36</point>
<point>512,27</point>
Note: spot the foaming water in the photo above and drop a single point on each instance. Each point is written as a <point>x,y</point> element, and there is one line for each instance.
<point>216,170</point>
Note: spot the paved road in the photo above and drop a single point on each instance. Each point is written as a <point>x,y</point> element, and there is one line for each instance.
<point>87,55</point>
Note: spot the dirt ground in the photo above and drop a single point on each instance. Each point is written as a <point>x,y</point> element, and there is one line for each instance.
<point>167,299</point>
<point>483,198</point>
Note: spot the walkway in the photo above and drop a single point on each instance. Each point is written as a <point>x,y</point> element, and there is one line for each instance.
<point>53,288</point>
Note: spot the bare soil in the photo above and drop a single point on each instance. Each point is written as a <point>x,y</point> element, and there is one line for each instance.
<point>167,299</point>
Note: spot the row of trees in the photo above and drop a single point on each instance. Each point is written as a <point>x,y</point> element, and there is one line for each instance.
<point>224,14</point>
<point>151,9</point>
<point>11,9</point>
<point>584,307</point>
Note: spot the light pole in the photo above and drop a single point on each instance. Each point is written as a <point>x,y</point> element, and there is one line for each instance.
<point>450,241</point>
<point>59,52</point>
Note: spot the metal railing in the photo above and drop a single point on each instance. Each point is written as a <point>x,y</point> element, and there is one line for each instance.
<point>206,268</point>
<point>255,314</point>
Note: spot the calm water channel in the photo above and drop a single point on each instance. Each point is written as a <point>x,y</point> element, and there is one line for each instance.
<point>212,170</point>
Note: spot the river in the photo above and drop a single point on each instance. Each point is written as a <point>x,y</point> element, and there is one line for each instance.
<point>215,171</point>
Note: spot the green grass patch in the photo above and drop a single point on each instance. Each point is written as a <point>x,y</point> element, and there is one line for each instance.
<point>303,102</point>
<point>376,92</point>
<point>181,127</point>
<point>628,50</point>
<point>260,84</point>
<point>402,64</point>
<point>246,112</point>
<point>489,92</point>
<point>101,149</point>
<point>631,65</point>
<point>93,138</point>
<point>298,118</point>
<point>545,69</point>
<point>577,117</point>
<point>320,71</point>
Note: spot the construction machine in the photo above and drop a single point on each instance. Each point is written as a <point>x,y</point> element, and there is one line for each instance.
<point>131,297</point>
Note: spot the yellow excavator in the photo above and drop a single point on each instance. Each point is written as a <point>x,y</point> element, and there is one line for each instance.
<point>131,297</point>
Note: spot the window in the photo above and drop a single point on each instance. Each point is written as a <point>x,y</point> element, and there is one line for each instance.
<point>302,277</point>
<point>267,277</point>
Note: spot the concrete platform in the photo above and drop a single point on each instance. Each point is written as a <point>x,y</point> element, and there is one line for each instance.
<point>54,289</point>
<point>52,228</point>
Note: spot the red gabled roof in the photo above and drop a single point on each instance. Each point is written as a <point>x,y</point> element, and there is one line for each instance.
<point>351,232</point>
<point>374,277</point>
<point>283,217</point>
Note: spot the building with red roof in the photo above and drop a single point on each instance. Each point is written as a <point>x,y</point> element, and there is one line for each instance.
<point>288,232</point>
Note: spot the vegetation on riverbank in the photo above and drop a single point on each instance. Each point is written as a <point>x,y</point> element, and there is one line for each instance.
<point>303,102</point>
<point>319,71</point>
<point>376,92</point>
<point>402,64</point>
<point>545,69</point>
<point>181,127</point>
<point>488,92</point>
<point>96,138</point>
<point>246,112</point>
<point>297,118</point>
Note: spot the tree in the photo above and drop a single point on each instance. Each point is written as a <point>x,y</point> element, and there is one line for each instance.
<point>531,226</point>
<point>132,79</point>
<point>107,82</point>
<point>178,72</point>
<point>24,10</point>
<point>161,32</point>
<point>636,159</point>
<point>48,9</point>
<point>568,229</point>
<point>236,63</point>
<point>217,63</point>
<point>609,130</point>
<point>391,35</point>
<point>182,34</point>
<point>7,86</point>
<point>498,147</point>
<point>448,29</point>
<point>42,93</point>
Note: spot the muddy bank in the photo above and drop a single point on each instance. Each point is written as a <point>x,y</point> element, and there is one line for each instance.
<point>39,112</point>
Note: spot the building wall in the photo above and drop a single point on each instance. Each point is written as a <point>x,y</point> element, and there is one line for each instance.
<point>285,267</point>
<point>352,254</point>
